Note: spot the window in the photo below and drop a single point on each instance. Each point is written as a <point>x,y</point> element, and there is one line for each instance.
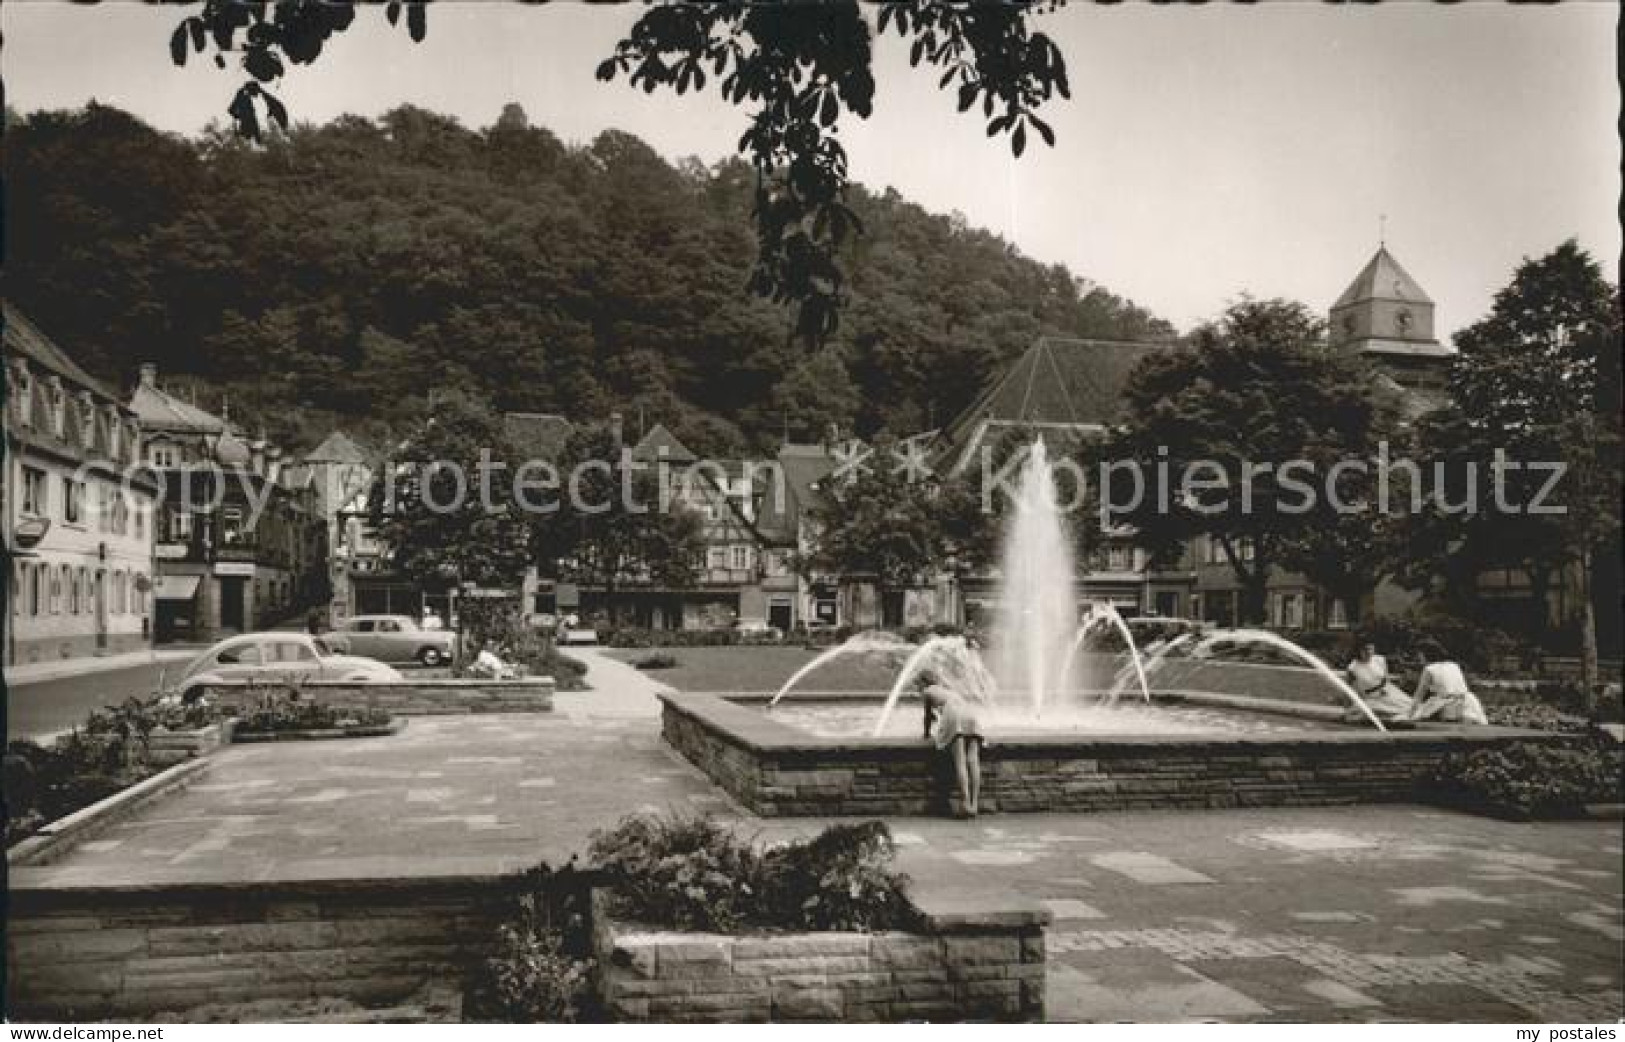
<point>240,655</point>
<point>1337,616</point>
<point>716,558</point>
<point>138,597</point>
<point>73,501</point>
<point>1117,559</point>
<point>363,625</point>
<point>73,590</point>
<point>23,387</point>
<point>1291,611</point>
<point>139,515</point>
<point>180,526</point>
<point>231,525</point>
<point>58,577</point>
<point>34,492</point>
<point>162,454</point>
<point>740,558</point>
<point>290,651</point>
<point>388,626</point>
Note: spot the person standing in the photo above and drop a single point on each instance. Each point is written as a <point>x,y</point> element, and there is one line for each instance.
<point>952,725</point>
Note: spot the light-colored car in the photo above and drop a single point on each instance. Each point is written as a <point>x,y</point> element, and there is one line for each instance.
<point>757,629</point>
<point>279,657</point>
<point>393,638</point>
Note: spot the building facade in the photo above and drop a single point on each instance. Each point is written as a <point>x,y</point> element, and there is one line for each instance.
<point>79,512</point>
<point>239,543</point>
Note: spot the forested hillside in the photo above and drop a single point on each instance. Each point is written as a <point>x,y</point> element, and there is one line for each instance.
<point>340,272</point>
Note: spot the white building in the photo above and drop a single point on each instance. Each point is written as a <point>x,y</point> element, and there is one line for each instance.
<point>78,517</point>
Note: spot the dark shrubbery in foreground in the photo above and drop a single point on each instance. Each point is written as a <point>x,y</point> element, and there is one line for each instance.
<point>44,783</point>
<point>693,873</point>
<point>658,660</point>
<point>541,970</point>
<point>1535,781</point>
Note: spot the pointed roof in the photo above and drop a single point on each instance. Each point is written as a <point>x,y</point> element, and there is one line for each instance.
<point>338,447</point>
<point>1383,279</point>
<point>660,444</point>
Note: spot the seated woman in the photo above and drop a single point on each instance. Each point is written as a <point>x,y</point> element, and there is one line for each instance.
<point>1442,692</point>
<point>951,724</point>
<point>1368,675</point>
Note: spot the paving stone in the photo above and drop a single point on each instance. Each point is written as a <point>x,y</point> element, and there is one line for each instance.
<point>1150,869</point>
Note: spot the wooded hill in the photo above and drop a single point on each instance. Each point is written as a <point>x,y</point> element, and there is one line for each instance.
<point>338,273</point>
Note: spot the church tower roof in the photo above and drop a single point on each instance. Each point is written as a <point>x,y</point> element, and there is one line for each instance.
<point>1383,279</point>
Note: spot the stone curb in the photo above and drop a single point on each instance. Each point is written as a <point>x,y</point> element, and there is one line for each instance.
<point>61,835</point>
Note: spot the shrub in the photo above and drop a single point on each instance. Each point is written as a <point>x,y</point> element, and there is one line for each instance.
<point>658,660</point>
<point>1537,716</point>
<point>692,873</point>
<point>840,879</point>
<point>540,971</point>
<point>282,709</point>
<point>1535,781</point>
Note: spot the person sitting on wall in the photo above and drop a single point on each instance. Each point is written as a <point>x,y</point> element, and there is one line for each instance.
<point>1442,691</point>
<point>1368,675</point>
<point>951,724</point>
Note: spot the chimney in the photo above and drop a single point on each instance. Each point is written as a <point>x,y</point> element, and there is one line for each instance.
<point>149,374</point>
<point>617,429</point>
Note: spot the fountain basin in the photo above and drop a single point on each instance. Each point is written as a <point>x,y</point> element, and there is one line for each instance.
<point>778,769</point>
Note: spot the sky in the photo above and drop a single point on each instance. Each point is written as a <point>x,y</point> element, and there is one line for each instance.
<point>1206,152</point>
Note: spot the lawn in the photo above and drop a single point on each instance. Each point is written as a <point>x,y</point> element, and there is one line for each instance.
<point>764,669</point>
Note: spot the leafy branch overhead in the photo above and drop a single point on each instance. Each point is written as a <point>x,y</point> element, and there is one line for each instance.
<point>798,67</point>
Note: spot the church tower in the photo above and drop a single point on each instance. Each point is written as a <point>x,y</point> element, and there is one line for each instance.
<point>1387,317</point>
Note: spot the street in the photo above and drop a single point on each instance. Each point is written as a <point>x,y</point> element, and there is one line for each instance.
<point>46,707</point>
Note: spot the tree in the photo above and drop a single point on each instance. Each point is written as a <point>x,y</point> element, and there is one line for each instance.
<point>444,506</point>
<point>1535,387</point>
<point>876,519</point>
<point>796,66</point>
<point>612,525</point>
<point>1245,421</point>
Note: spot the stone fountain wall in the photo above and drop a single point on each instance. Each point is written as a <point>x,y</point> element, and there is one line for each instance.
<point>777,770</point>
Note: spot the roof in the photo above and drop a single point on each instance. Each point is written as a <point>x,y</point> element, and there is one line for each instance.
<point>661,444</point>
<point>1382,279</point>
<point>803,467</point>
<point>1419,348</point>
<point>1412,403</point>
<point>161,411</point>
<point>537,435</point>
<point>25,338</point>
<point>338,447</point>
<point>1059,382</point>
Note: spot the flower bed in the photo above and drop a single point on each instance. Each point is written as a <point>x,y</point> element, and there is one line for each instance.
<point>282,715</point>
<point>117,747</point>
<point>1528,781</point>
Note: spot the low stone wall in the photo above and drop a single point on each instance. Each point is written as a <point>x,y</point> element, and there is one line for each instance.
<point>410,697</point>
<point>170,747</point>
<point>965,967</point>
<point>775,769</point>
<point>133,952</point>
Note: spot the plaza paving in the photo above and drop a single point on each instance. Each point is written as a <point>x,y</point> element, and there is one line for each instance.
<point>1364,913</point>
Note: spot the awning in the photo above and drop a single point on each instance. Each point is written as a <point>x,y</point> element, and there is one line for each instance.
<point>175,587</point>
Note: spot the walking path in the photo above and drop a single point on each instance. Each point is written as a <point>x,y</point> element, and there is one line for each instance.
<point>1323,914</point>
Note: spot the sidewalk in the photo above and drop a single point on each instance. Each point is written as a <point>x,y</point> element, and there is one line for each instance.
<point>38,672</point>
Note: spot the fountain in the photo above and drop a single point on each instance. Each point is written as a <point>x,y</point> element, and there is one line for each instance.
<point>1099,614</point>
<point>1038,609</point>
<point>1218,729</point>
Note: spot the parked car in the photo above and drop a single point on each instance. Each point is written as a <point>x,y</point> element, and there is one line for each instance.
<point>757,629</point>
<point>393,638</point>
<point>279,656</point>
